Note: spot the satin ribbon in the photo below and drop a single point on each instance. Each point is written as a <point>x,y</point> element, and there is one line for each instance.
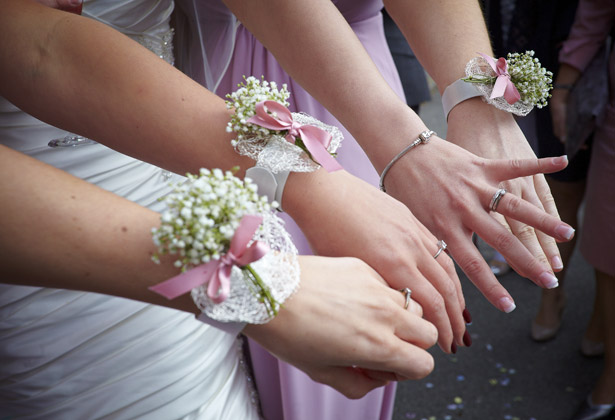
<point>503,84</point>
<point>217,273</point>
<point>316,140</point>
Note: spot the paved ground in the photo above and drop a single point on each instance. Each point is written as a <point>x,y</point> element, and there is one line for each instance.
<point>506,375</point>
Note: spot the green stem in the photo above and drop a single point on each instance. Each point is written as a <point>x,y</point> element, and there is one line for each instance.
<point>480,80</point>
<point>268,299</point>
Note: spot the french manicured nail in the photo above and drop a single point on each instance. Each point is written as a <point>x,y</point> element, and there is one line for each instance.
<point>565,231</point>
<point>467,317</point>
<point>506,304</point>
<point>561,159</point>
<point>548,280</point>
<point>467,340</point>
<point>454,348</point>
<point>556,263</point>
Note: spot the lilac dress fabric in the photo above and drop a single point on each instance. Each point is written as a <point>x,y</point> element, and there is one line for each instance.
<point>287,393</point>
<point>593,23</point>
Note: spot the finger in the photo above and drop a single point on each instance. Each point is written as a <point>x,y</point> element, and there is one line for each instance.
<point>381,375</point>
<point>434,309</point>
<point>404,359</point>
<point>442,282</point>
<point>477,270</point>
<point>516,208</point>
<point>449,266</point>
<point>413,306</point>
<point>351,382</point>
<point>416,330</point>
<point>515,253</point>
<point>514,168</point>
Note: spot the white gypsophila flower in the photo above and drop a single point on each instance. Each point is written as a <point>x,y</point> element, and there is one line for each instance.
<point>203,215</point>
<point>244,101</point>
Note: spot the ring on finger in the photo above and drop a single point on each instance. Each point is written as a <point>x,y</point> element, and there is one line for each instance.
<point>441,247</point>
<point>407,293</point>
<point>495,200</point>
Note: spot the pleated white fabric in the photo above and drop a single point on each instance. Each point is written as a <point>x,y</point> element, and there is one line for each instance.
<point>75,355</point>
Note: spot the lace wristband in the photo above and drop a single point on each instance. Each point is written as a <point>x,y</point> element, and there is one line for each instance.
<point>275,138</point>
<point>423,138</point>
<point>237,260</point>
<point>515,84</point>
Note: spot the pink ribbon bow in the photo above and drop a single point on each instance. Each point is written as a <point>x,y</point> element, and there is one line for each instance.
<point>503,84</point>
<point>315,139</point>
<point>217,273</point>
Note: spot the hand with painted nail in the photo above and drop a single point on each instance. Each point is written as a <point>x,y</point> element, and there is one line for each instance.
<point>465,192</point>
<point>346,328</point>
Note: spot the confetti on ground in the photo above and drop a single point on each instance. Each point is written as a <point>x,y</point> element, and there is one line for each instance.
<point>512,371</point>
<point>505,381</point>
<point>460,378</point>
<point>429,385</point>
<point>493,382</point>
<point>410,415</point>
<point>489,347</point>
<point>458,400</point>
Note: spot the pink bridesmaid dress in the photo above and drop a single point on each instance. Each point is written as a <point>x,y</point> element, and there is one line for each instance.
<point>230,51</point>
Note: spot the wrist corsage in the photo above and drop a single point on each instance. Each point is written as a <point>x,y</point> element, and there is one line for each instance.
<point>515,84</point>
<point>276,138</point>
<point>236,258</point>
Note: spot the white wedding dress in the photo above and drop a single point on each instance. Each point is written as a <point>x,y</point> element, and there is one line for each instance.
<point>72,355</point>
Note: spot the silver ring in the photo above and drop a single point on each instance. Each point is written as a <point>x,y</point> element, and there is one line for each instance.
<point>495,200</point>
<point>407,293</point>
<point>441,247</point>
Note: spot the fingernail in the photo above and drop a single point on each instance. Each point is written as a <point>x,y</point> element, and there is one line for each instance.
<point>548,280</point>
<point>454,348</point>
<point>467,340</point>
<point>506,304</point>
<point>561,159</point>
<point>467,317</point>
<point>565,231</point>
<point>556,263</point>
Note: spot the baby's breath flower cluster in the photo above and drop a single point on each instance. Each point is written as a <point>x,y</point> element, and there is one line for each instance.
<point>244,101</point>
<point>533,81</point>
<point>203,214</point>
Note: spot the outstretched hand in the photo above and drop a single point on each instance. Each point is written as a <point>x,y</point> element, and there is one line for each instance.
<point>342,215</point>
<point>346,328</point>
<point>450,190</point>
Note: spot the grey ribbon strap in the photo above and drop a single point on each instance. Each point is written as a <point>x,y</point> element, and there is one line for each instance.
<point>269,184</point>
<point>457,92</point>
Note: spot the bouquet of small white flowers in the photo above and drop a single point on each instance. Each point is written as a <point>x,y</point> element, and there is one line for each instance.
<point>221,229</point>
<point>515,84</point>
<point>277,139</point>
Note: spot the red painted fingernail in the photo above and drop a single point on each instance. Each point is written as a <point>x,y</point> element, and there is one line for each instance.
<point>466,316</point>
<point>467,340</point>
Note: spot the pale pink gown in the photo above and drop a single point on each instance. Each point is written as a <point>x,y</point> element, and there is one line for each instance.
<point>231,52</point>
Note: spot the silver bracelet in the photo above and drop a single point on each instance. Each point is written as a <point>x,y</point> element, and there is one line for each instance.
<point>422,138</point>
<point>457,92</point>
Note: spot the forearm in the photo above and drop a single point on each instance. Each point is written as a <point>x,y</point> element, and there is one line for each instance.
<point>58,231</point>
<point>443,34</point>
<point>329,61</point>
<point>83,76</point>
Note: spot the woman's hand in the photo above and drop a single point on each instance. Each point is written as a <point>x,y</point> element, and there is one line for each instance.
<point>449,189</point>
<point>346,328</point>
<point>344,216</point>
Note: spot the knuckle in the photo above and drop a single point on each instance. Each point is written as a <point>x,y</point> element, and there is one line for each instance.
<point>504,241</point>
<point>472,266</point>
<point>425,367</point>
<point>526,233</point>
